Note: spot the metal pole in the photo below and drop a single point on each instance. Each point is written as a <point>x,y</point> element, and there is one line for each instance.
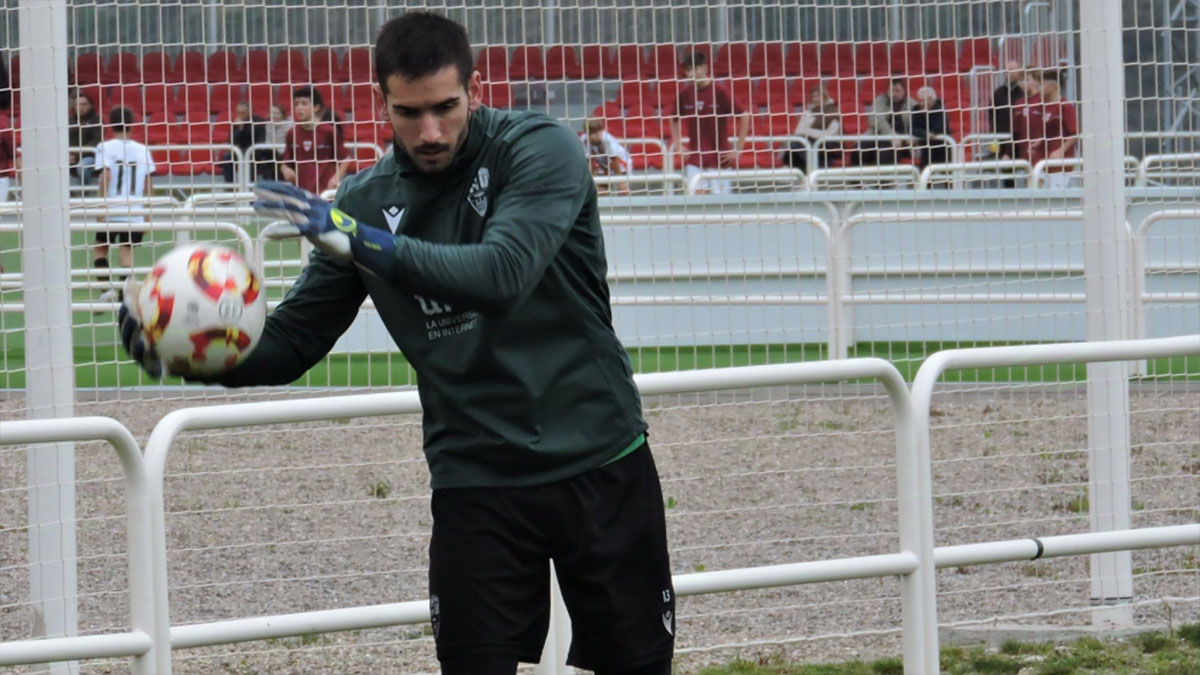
<point>49,365</point>
<point>1106,268</point>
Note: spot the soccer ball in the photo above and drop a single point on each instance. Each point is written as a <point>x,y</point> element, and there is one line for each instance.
<point>202,309</point>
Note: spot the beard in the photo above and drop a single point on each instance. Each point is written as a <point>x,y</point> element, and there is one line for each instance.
<point>415,154</point>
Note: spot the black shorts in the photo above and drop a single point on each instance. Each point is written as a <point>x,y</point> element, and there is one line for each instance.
<point>489,579</point>
<point>119,237</point>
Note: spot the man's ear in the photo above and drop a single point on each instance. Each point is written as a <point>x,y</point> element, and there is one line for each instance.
<point>475,91</point>
<point>380,99</point>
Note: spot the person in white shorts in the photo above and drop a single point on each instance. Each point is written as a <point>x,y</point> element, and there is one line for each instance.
<point>125,167</point>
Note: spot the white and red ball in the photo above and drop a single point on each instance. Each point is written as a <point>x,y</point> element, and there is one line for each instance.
<point>202,308</point>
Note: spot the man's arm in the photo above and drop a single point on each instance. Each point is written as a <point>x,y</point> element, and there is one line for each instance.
<point>285,168</point>
<point>739,141</point>
<point>316,311</point>
<point>547,184</point>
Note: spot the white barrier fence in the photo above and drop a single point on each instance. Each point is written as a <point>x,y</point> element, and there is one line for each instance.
<point>152,638</point>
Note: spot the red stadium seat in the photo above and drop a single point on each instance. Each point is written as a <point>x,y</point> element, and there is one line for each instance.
<point>799,94</point>
<point>667,93</point>
<point>772,123</point>
<point>87,68</point>
<point>223,97</point>
<point>290,66</point>
<point>596,61</point>
<point>663,63</point>
<point>260,96</point>
<point>976,52</point>
<point>155,132</point>
<point>379,133</point>
<point>845,91</point>
<point>742,90</point>
<point>802,58</point>
<point>224,66</point>
<point>326,67</point>
<point>562,61</point>
<point>634,93</point>
<point>131,96</point>
<point>837,58</point>
<point>872,58</point>
<point>122,68</point>
<point>191,97</point>
<point>258,66</point>
<point>941,56</point>
<point>527,63</point>
<point>767,59</point>
<point>155,66</point>
<point>953,89</point>
<point>492,63</point>
<point>771,90</point>
<point>189,67</point>
<point>497,94</point>
<point>645,156</point>
<point>191,163</point>
<point>360,66</point>
<point>159,98</point>
<point>643,122</point>
<point>363,106</point>
<point>627,64</point>
<point>908,57</point>
<point>733,60</point>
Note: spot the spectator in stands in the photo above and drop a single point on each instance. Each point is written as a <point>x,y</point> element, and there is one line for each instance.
<point>1047,128</point>
<point>247,130</point>
<point>929,120</point>
<point>314,154</point>
<point>821,119</point>
<point>606,155</point>
<point>703,110</point>
<point>85,132</point>
<point>10,161</point>
<point>1006,97</point>
<point>890,115</point>
<point>277,128</point>
<point>125,169</point>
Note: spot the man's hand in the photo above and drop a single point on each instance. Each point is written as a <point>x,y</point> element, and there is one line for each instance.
<point>132,337</point>
<point>331,230</point>
<point>729,158</point>
<point>1057,154</point>
<point>288,173</point>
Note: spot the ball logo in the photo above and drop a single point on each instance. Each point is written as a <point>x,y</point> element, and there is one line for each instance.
<point>229,308</point>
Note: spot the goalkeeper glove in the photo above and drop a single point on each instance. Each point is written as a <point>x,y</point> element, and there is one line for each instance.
<point>331,230</point>
<point>132,337</point>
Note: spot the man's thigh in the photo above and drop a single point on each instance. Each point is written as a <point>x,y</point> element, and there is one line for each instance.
<point>488,576</point>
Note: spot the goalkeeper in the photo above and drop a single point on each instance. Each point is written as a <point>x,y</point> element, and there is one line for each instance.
<point>478,239</point>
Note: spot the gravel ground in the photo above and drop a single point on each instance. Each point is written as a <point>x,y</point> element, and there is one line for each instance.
<point>334,515</point>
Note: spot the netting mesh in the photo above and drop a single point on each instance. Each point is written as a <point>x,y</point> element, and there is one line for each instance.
<point>898,184</point>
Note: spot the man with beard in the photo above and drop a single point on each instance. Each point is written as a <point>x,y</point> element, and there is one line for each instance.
<point>478,239</point>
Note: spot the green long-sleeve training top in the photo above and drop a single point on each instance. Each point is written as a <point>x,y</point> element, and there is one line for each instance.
<point>496,295</point>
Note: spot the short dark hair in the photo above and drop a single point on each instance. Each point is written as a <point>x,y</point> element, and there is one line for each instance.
<point>120,118</point>
<point>694,58</point>
<point>900,81</point>
<point>416,44</point>
<point>1055,75</point>
<point>311,93</point>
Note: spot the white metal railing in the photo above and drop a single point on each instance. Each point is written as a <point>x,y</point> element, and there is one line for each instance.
<point>138,641</point>
<point>960,173</point>
<point>793,176</point>
<point>1134,170</point>
<point>1140,296</point>
<point>152,637</point>
<point>1156,168</point>
<point>897,176</point>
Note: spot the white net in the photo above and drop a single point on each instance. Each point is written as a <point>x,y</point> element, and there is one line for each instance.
<point>883,200</point>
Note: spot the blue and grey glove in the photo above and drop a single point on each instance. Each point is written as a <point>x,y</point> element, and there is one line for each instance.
<point>132,337</point>
<point>331,230</point>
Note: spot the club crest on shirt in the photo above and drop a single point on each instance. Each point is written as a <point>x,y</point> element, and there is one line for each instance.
<point>393,215</point>
<point>307,146</point>
<point>477,195</point>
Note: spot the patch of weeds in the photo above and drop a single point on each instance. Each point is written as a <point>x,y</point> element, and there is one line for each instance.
<point>1190,633</point>
<point>671,503</point>
<point>831,424</point>
<point>380,489</point>
<point>699,567</point>
<point>1050,476</point>
<point>1036,571</point>
<point>787,423</point>
<point>1020,433</point>
<point>1152,642</point>
<point>232,503</point>
<point>1078,504</point>
<point>1138,506</point>
<point>860,506</point>
<point>1190,562</point>
<point>994,663</point>
<point>888,667</point>
<point>987,433</point>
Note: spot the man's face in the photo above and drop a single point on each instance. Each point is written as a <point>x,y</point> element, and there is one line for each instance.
<point>82,106</point>
<point>698,73</point>
<point>1049,89</point>
<point>898,93</point>
<point>302,109</point>
<point>927,100</point>
<point>430,115</point>
<point>1014,71</point>
<point>596,136</point>
<point>1030,85</point>
<point>243,112</point>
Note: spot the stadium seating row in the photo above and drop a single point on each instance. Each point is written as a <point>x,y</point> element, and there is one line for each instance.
<point>533,62</point>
